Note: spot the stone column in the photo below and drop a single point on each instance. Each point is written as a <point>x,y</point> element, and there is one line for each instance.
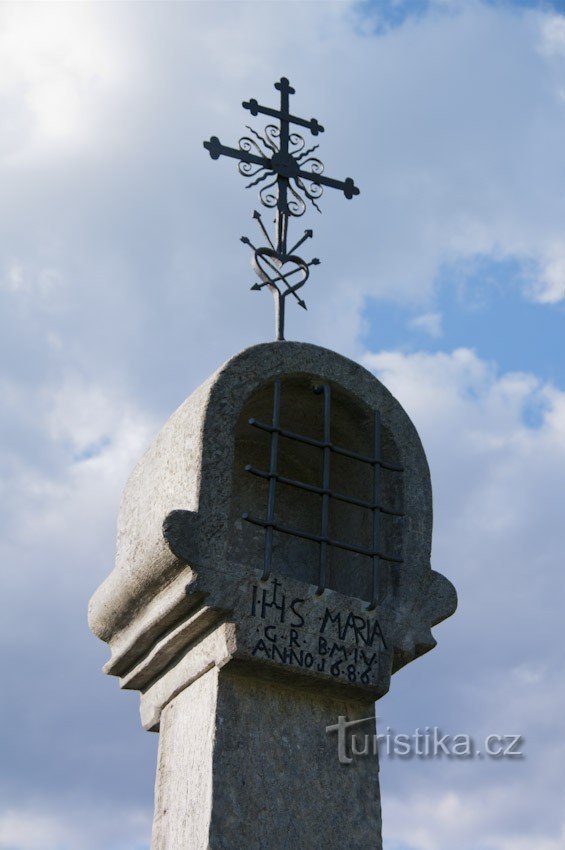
<point>248,763</point>
<point>272,572</point>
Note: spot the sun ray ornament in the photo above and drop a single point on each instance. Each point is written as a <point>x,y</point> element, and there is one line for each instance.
<point>290,177</point>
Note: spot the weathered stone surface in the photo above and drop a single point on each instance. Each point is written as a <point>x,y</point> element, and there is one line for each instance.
<point>244,764</point>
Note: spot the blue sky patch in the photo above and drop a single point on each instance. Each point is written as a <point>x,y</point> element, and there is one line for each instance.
<point>388,14</point>
<point>481,306</point>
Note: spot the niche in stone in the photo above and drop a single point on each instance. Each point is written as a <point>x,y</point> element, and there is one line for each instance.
<point>318,489</point>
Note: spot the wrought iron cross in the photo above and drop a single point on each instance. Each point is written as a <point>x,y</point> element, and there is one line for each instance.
<point>278,156</point>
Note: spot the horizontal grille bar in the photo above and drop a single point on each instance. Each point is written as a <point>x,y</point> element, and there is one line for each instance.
<point>321,491</point>
<point>316,538</point>
<point>322,444</point>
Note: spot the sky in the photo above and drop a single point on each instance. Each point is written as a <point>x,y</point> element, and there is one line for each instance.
<point>123,285</point>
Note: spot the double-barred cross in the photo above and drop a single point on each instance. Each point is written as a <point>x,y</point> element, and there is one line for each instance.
<point>282,162</point>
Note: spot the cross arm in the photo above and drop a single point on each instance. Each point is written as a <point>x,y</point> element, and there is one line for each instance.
<point>216,150</point>
<point>256,109</point>
<point>347,186</point>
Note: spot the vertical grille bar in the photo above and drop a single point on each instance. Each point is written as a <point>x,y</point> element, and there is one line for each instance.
<point>273,460</point>
<point>376,561</point>
<point>327,450</point>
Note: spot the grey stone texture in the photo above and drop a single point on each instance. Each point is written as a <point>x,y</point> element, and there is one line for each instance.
<point>248,764</point>
<point>241,675</point>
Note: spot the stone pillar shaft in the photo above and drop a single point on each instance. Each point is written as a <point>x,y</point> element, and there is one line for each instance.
<point>247,763</point>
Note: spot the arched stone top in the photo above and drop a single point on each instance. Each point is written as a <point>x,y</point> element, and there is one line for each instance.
<point>176,518</point>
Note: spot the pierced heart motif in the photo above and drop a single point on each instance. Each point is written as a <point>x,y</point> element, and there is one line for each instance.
<point>282,272</point>
<point>286,277</point>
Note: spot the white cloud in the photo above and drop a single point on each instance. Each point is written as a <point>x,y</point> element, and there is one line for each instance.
<point>25,831</point>
<point>429,323</point>
<point>85,415</point>
<point>40,285</point>
<point>434,822</point>
<point>552,41</point>
<point>103,450</point>
<point>29,828</point>
<point>56,62</point>
<point>549,288</point>
<point>65,502</point>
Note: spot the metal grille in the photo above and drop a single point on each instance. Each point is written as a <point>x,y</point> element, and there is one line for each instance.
<point>324,539</point>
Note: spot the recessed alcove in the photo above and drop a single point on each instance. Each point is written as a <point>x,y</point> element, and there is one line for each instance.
<point>352,428</point>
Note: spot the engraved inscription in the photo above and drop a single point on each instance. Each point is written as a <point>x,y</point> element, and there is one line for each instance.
<point>344,645</point>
